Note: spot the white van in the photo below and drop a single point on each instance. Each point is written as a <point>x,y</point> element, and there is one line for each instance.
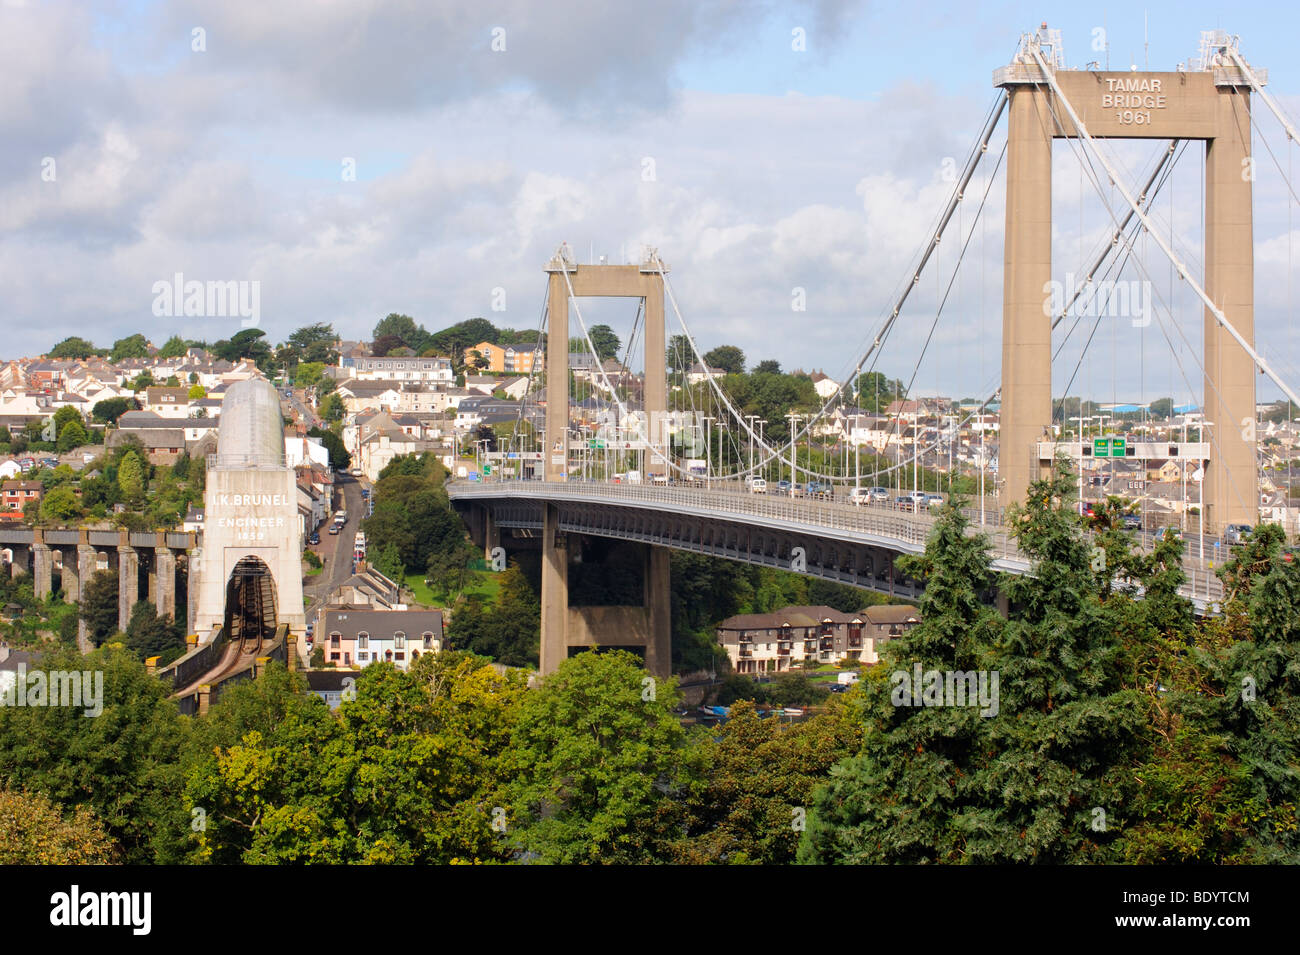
<point>757,486</point>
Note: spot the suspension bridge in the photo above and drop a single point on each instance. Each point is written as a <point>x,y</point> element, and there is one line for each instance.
<point>672,462</point>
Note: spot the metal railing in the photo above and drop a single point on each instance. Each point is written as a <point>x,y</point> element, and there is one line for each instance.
<point>871,523</point>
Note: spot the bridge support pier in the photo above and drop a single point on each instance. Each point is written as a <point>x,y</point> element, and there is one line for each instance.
<point>128,584</point>
<point>42,569</point>
<point>87,564</point>
<point>658,604</point>
<point>555,592</point>
<point>70,576</point>
<point>647,626</point>
<point>191,590</point>
<point>163,582</point>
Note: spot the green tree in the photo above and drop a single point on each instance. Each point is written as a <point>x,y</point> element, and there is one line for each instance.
<point>340,459</point>
<point>332,408</point>
<point>124,764</point>
<point>315,343</point>
<point>174,347</point>
<point>36,831</point>
<point>913,791</point>
<point>1161,408</point>
<point>405,773</point>
<point>131,477</point>
<point>72,435</point>
<point>760,778</point>
<point>133,346</point>
<point>110,409</point>
<point>876,392</point>
<point>73,347</point>
<point>768,367</point>
<point>151,635</point>
<point>65,415</point>
<point>603,764</point>
<point>196,392</point>
<point>60,505</point>
<point>99,605</point>
<point>309,374</point>
<point>727,357</point>
<point>389,563</point>
<point>399,326</point>
<point>605,341</point>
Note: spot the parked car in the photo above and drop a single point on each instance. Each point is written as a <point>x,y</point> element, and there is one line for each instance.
<point>334,528</point>
<point>314,538</point>
<point>1132,522</point>
<point>1234,535</point>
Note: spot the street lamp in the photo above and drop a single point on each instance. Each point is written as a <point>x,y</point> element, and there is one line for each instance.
<point>794,417</point>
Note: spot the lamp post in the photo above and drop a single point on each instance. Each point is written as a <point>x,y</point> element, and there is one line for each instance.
<point>794,417</point>
<point>708,450</point>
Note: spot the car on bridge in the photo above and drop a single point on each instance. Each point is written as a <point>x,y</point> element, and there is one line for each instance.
<point>860,495</point>
<point>782,487</point>
<point>904,502</point>
<point>757,486</point>
<point>1234,535</point>
<point>821,491</point>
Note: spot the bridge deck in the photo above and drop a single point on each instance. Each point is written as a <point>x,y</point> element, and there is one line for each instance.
<point>878,525</point>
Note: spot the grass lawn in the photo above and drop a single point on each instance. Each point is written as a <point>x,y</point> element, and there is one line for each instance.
<point>480,582</point>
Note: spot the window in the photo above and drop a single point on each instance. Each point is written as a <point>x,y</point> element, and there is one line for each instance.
<point>363,641</point>
<point>334,656</point>
<point>428,640</point>
<point>363,657</point>
<point>399,641</point>
<point>334,639</point>
<point>399,655</point>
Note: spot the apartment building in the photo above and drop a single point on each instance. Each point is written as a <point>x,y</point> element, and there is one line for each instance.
<point>774,642</point>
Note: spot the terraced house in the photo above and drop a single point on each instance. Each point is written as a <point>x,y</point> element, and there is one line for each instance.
<point>810,636</point>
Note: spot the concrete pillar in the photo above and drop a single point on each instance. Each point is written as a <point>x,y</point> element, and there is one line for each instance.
<point>1231,481</point>
<point>658,603</point>
<point>205,699</point>
<point>491,535</point>
<point>128,584</point>
<point>42,569</point>
<point>656,374</point>
<point>87,563</point>
<point>70,576</point>
<point>163,582</point>
<point>191,590</point>
<point>1027,269</point>
<point>556,453</point>
<point>555,592</point>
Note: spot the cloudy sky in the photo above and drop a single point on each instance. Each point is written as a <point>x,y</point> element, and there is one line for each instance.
<point>358,158</point>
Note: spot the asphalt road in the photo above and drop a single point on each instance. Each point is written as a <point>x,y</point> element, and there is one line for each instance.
<point>336,550</point>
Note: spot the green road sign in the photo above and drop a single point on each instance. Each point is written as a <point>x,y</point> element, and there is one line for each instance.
<point>596,444</point>
<point>487,469</point>
<point>1109,447</point>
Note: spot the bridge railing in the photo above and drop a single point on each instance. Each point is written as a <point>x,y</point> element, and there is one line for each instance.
<point>882,520</point>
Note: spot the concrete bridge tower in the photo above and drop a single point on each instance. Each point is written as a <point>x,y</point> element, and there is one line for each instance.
<point>251,526</point>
